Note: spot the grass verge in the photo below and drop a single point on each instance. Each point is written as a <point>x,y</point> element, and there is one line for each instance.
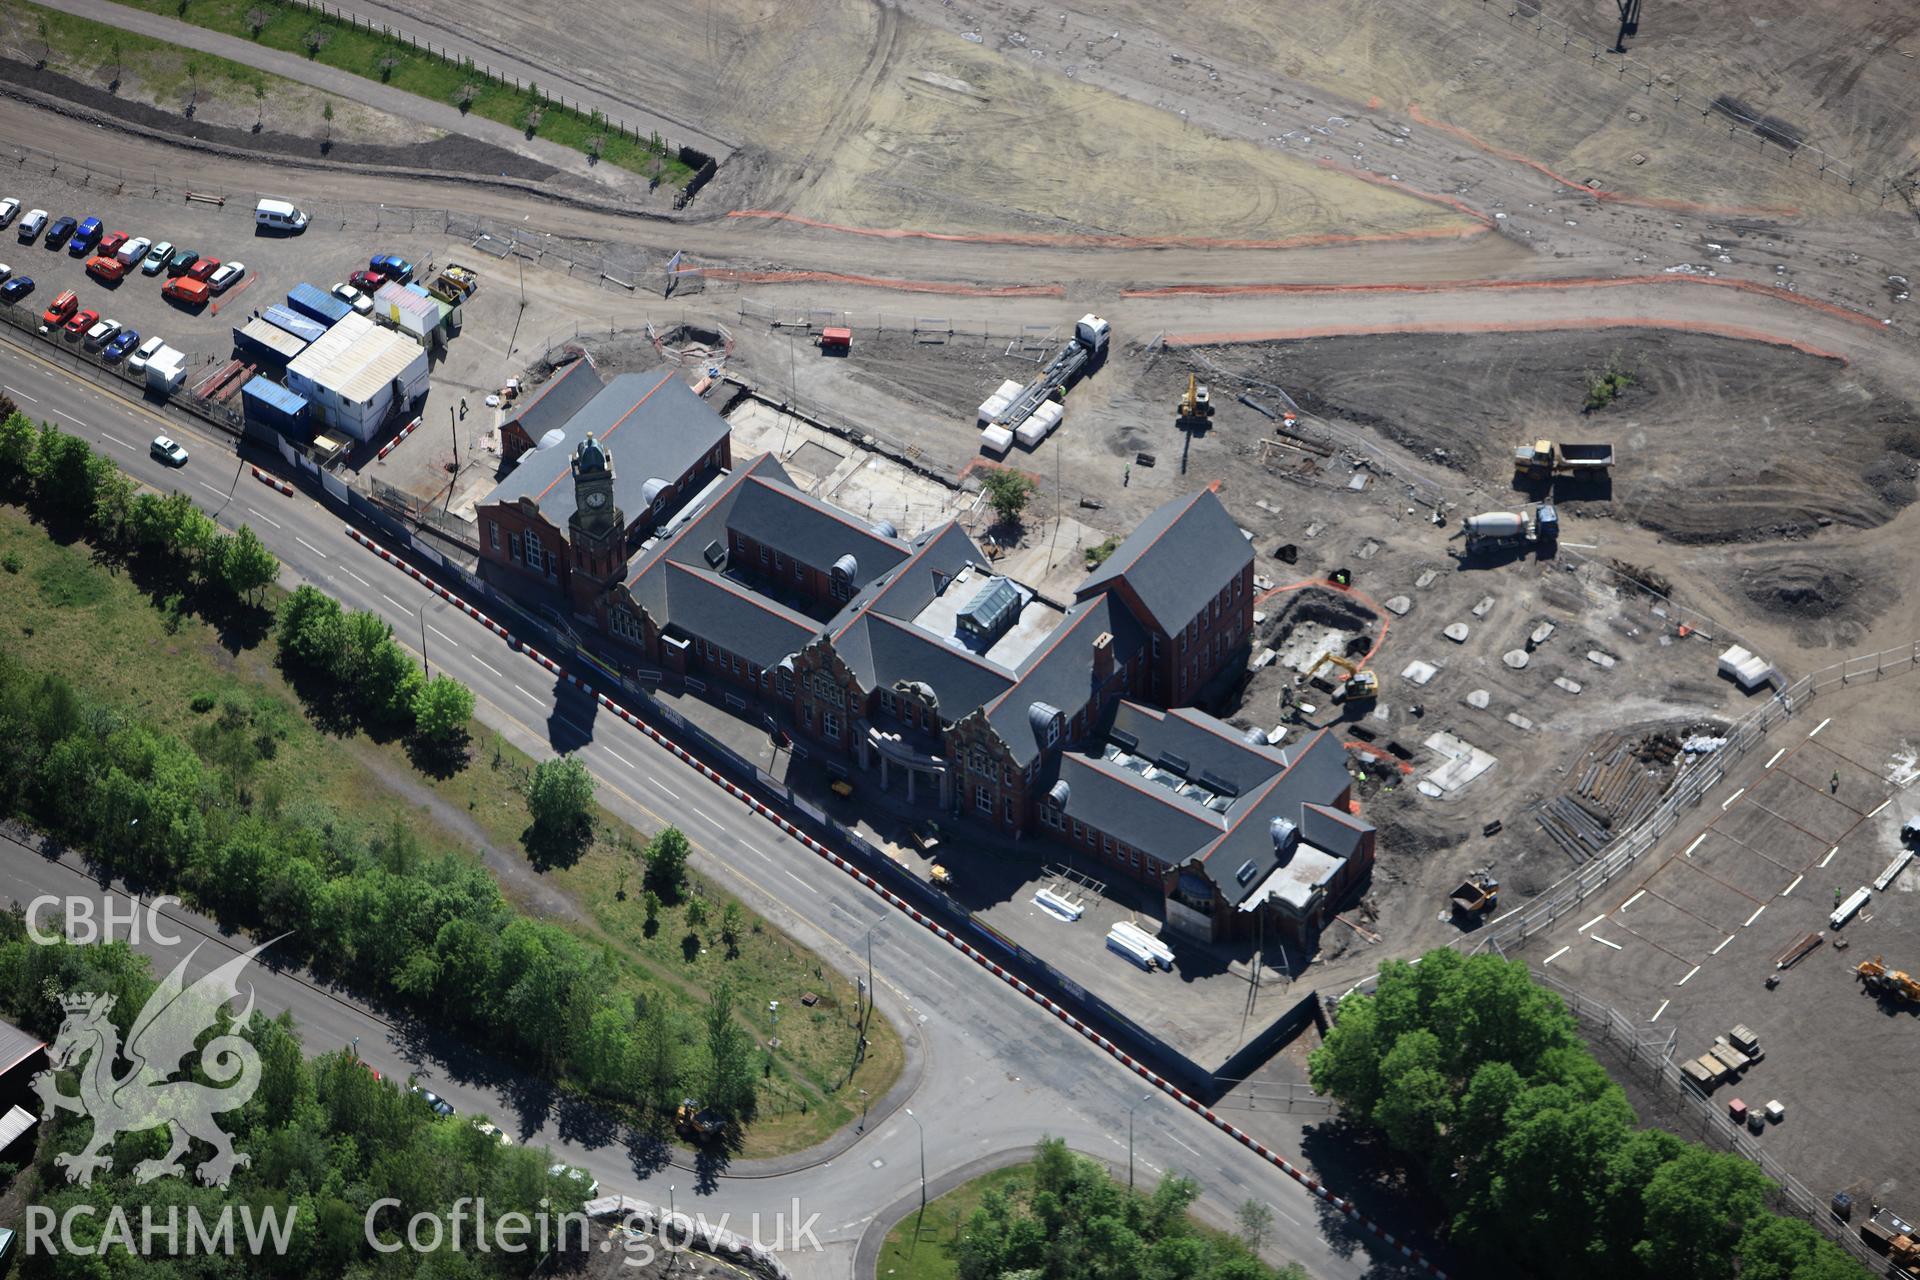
<point>916,1248</point>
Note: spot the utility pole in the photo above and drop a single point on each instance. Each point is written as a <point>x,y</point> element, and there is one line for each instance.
<point>453,425</point>
<point>923,1159</point>
<point>1130,1110</point>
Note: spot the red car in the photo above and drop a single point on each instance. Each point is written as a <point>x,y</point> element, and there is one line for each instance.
<point>368,1067</point>
<point>202,269</point>
<point>366,281</point>
<point>110,243</point>
<point>81,322</point>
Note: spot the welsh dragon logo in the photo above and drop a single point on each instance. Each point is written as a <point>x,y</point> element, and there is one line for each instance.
<point>146,1097</point>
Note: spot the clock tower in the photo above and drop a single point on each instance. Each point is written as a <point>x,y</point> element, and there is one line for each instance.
<point>597,530</point>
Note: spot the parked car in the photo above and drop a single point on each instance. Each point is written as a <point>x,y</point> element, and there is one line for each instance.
<point>181,260</point>
<point>121,344</point>
<point>186,292</point>
<point>439,1105</point>
<point>278,215</point>
<point>6,272</point>
<point>225,276</point>
<point>203,268</point>
<point>81,321</point>
<point>157,258</point>
<point>85,237</point>
<point>57,233</point>
<point>16,289</point>
<point>100,334</point>
<point>9,208</point>
<point>493,1131</point>
<point>368,281</point>
<point>168,451</point>
<point>133,251</point>
<point>106,270</point>
<point>138,360</point>
<point>32,225</point>
<point>585,1183</point>
<point>110,243</point>
<point>60,308</point>
<point>354,298</point>
<point>392,266</point>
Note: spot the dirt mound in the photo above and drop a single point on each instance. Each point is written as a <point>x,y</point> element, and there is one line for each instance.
<point>1804,589</point>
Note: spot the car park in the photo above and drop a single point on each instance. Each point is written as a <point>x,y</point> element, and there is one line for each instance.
<point>85,237</point>
<point>354,298</point>
<point>168,451</point>
<point>145,352</point>
<point>392,266</point>
<point>16,289</point>
<point>585,1183</point>
<point>133,251</point>
<point>186,292</point>
<point>367,281</point>
<point>225,276</point>
<point>439,1105</point>
<point>181,260</point>
<point>32,224</point>
<point>9,209</point>
<point>57,233</point>
<point>203,268</point>
<point>98,335</point>
<point>81,321</point>
<point>106,270</point>
<point>157,258</point>
<point>109,246</point>
<point>121,343</point>
<point>60,308</point>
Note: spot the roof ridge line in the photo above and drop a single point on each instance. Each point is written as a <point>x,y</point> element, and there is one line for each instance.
<point>610,430</point>
<point>1128,778</point>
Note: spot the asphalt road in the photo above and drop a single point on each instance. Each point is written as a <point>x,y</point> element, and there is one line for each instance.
<point>995,1073</point>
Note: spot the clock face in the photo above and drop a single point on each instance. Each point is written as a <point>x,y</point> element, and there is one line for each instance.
<point>596,499</point>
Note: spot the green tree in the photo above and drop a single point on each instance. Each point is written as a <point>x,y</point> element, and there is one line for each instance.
<point>1789,1249</point>
<point>560,803</point>
<point>1416,1101</point>
<point>729,1064</point>
<point>656,1065</point>
<point>731,923</point>
<point>312,631</point>
<point>1008,492</point>
<point>387,63</point>
<point>16,443</point>
<point>258,18</point>
<point>1698,1206</point>
<point>246,567</point>
<point>696,913</point>
<point>1255,1219</point>
<point>113,494</point>
<point>442,708</point>
<point>650,905</point>
<point>667,855</point>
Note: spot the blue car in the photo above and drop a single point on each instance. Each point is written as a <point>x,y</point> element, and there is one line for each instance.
<point>16,289</point>
<point>123,342</point>
<point>57,233</point>
<point>392,266</point>
<point>85,236</point>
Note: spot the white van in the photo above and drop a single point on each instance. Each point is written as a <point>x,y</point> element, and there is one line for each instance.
<point>278,215</point>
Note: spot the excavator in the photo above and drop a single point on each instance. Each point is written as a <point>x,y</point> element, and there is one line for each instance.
<point>1359,686</point>
<point>1196,407</point>
<point>1881,980</point>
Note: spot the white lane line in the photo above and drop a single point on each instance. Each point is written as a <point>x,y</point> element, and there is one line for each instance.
<point>1556,955</point>
<point>1662,1009</point>
<point>350,573</point>
<point>496,674</point>
<point>1823,724</point>
<point>395,603</point>
<point>309,546</point>
<point>1776,758</point>
<point>1700,839</point>
<point>661,785</point>
<point>1829,858</point>
<point>70,418</point>
<point>1589,924</point>
<point>1756,914</point>
<point>617,756</point>
<point>276,524</point>
<point>1795,885</point>
<point>1728,802</point>
<point>707,818</point>
<point>116,439</point>
<point>1883,804</point>
<point>210,489</point>
<point>1690,973</point>
<point>443,635</point>
<point>1723,945</point>
<point>1630,901</point>
<point>1605,943</point>
<point>529,696</point>
<point>23,395</point>
<point>1183,1143</point>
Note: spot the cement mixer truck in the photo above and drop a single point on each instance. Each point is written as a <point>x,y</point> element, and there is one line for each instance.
<point>1502,530</point>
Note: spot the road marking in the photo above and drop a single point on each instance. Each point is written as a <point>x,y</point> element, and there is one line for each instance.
<point>1823,724</point>
<point>1829,858</point>
<point>1690,973</point>
<point>530,696</point>
<point>70,418</point>
<point>1603,942</point>
<point>617,756</point>
<point>1183,1143</point>
<point>1728,802</point>
<point>23,395</point>
<point>1883,804</point>
<point>443,635</point>
<point>1662,1009</point>
<point>1700,839</point>
<point>276,524</point>
<point>704,816</point>
<point>1589,924</point>
<point>1795,885</point>
<point>571,722</point>
<point>1630,901</point>
<point>350,573</point>
<point>309,546</point>
<point>496,674</point>
<point>116,439</point>
<point>1556,955</point>
<point>1755,916</point>
<point>663,786</point>
<point>395,603</point>
<point>1776,758</point>
<point>210,489</point>
<point>1723,943</point>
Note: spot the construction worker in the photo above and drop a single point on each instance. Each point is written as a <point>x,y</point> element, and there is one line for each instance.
<point>1833,784</point>
<point>1126,477</point>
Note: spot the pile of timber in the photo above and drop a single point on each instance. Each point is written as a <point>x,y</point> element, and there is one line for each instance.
<point>1618,787</point>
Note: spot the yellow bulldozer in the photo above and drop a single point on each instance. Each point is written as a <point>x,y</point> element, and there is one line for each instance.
<point>1359,686</point>
<point>1881,980</point>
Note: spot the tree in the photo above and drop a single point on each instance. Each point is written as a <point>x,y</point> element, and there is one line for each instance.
<point>1008,492</point>
<point>258,18</point>
<point>388,61</point>
<point>463,98</point>
<point>1698,1206</point>
<point>696,913</point>
<point>112,500</point>
<point>1256,1223</point>
<point>16,443</point>
<point>311,629</point>
<point>560,802</point>
<point>326,113</point>
<point>246,567</point>
<point>656,1068</point>
<point>532,120</point>
<point>315,40</point>
<point>667,856</point>
<point>387,688</point>
<point>731,921</point>
<point>650,907</point>
<point>259,105</point>
<point>45,33</point>
<point>730,1071</point>
<point>1789,1249</point>
<point>193,74</point>
<point>441,709</point>
<point>1416,1100</point>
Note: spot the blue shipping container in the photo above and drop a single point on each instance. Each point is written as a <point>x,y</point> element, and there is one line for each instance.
<point>317,304</point>
<point>275,406</point>
<point>305,328</point>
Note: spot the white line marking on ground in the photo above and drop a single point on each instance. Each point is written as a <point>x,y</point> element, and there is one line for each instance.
<point>1829,858</point>
<point>23,395</point>
<point>210,489</point>
<point>1662,1009</point>
<point>1635,898</point>
<point>1723,943</point>
<point>1883,804</point>
<point>496,674</point>
<point>1776,758</point>
<point>276,524</point>
<point>70,418</point>
<point>1795,885</point>
<point>309,546</point>
<point>710,820</point>
<point>663,786</point>
<point>1185,1144</point>
<point>617,756</point>
<point>116,439</point>
<point>1603,942</point>
<point>395,603</point>
<point>1823,724</point>
<point>528,694</point>
<point>443,635</point>
<point>1589,924</point>
<point>1690,973</point>
<point>1755,916</point>
<point>1728,802</point>
<point>1556,955</point>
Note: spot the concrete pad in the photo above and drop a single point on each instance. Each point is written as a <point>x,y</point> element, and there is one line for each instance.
<point>1516,658</point>
<point>1484,607</point>
<point>1426,579</point>
<point>1464,762</point>
<point>1479,699</point>
<point>1317,528</point>
<point>1398,605</point>
<point>1310,642</point>
<point>1368,550</point>
<point>1542,633</point>
<point>1262,659</point>
<point>1419,673</point>
<point>1599,659</point>
<point>1571,686</point>
<point>1456,632</point>
<point>1519,721</point>
<point>1428,789</point>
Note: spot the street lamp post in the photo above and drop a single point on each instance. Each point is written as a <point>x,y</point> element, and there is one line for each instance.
<point>923,1159</point>
<point>356,1048</point>
<point>1145,1098</point>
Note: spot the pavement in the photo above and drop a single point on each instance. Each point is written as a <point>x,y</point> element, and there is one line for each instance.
<point>995,1072</point>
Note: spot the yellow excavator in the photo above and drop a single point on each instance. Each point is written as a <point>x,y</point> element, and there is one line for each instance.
<point>1359,686</point>
<point>1881,980</point>
<point>1196,407</point>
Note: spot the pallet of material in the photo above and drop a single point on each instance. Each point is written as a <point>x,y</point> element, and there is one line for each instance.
<point>205,386</point>
<point>1798,950</point>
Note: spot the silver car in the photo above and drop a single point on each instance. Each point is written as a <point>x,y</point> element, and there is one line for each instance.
<point>169,451</point>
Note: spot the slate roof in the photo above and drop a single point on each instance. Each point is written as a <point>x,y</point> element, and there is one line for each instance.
<point>936,555</point>
<point>1060,672</point>
<point>1114,800</point>
<point>1316,773</point>
<point>813,532</point>
<point>1176,560</point>
<point>564,395</point>
<point>882,651</point>
<point>702,603</point>
<point>653,426</point>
